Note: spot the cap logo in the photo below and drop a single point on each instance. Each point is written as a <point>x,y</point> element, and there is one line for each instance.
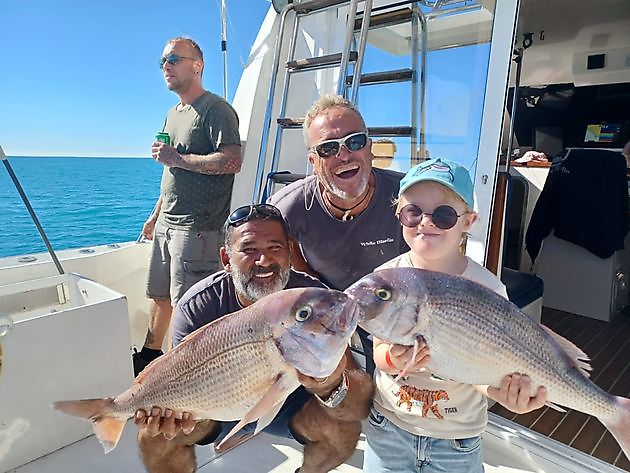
<point>438,167</point>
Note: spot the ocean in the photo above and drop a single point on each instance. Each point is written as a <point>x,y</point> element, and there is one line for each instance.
<point>79,201</point>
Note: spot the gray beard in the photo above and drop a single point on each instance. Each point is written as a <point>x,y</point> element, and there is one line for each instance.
<point>247,285</point>
<point>336,191</point>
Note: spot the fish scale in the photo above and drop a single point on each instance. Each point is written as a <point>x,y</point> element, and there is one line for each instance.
<point>221,358</point>
<point>475,336</point>
<point>239,367</point>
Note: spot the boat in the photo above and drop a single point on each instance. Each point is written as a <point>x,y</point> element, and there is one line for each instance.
<point>466,75</point>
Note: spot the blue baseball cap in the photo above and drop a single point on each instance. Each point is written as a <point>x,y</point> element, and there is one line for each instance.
<point>446,172</point>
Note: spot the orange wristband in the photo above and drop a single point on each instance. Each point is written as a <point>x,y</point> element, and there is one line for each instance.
<point>388,360</point>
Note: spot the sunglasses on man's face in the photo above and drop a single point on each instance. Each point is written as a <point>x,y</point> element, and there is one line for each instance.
<point>173,59</point>
<point>444,217</point>
<point>329,148</point>
<point>248,212</point>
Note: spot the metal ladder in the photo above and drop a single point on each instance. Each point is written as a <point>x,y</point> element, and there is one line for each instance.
<point>348,84</point>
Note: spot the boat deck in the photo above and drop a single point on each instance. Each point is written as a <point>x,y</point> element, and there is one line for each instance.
<point>508,449</point>
<point>608,345</point>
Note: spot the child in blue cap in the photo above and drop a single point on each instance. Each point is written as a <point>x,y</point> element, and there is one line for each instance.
<point>422,422</point>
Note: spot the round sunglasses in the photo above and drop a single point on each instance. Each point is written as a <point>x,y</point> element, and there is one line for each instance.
<point>443,217</point>
<point>330,148</point>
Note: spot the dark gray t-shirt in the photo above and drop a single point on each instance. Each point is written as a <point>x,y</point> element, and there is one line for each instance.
<point>342,252</point>
<point>190,199</point>
<point>214,297</point>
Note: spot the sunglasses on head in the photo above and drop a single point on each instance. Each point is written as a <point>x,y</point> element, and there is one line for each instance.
<point>444,217</point>
<point>248,212</point>
<point>173,59</point>
<point>329,148</point>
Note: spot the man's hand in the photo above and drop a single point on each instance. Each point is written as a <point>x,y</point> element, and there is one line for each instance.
<point>165,154</point>
<point>168,425</point>
<point>324,387</point>
<point>514,394</point>
<point>148,228</point>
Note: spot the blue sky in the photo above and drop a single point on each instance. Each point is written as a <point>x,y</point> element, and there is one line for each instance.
<point>81,78</point>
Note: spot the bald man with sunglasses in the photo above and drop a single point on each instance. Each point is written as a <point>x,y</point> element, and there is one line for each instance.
<point>340,219</point>
<point>324,415</point>
<point>199,166</point>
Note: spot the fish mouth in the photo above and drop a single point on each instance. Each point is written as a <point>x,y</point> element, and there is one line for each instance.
<point>332,344</point>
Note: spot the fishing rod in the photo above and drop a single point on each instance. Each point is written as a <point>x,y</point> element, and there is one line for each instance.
<point>20,190</point>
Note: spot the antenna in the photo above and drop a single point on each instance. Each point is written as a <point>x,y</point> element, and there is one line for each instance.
<point>224,49</point>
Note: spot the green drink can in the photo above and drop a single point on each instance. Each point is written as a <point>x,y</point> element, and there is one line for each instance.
<point>163,138</point>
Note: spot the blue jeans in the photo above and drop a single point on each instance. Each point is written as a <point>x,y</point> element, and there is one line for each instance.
<point>392,449</point>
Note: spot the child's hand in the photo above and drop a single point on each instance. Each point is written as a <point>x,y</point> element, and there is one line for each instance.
<point>402,359</point>
<point>514,394</point>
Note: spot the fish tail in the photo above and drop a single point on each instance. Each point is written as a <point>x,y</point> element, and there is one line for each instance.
<point>107,427</point>
<point>619,426</point>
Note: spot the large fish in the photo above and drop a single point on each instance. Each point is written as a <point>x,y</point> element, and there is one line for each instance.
<point>476,336</point>
<point>239,367</point>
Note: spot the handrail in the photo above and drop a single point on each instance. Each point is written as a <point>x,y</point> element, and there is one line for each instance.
<point>358,66</point>
<point>267,120</point>
<point>40,229</point>
<point>303,8</point>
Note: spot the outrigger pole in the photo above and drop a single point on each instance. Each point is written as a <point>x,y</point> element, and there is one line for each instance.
<point>20,190</point>
<point>224,49</point>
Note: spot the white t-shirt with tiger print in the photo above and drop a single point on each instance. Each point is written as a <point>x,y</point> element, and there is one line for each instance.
<point>428,406</point>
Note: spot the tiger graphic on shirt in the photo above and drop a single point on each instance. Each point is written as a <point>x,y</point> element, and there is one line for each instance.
<point>411,395</point>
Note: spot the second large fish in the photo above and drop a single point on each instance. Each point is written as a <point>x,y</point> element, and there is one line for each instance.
<point>239,367</point>
<point>476,337</point>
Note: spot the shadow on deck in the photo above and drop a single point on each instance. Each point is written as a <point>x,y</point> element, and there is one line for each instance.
<point>608,345</point>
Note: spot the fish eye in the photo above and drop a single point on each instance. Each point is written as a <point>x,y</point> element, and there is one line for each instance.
<point>303,314</point>
<point>383,294</point>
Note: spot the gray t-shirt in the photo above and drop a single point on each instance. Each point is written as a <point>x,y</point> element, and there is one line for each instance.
<point>190,199</point>
<point>343,252</point>
<point>214,297</point>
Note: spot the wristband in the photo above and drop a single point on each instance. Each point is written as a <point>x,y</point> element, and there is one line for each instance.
<point>388,360</point>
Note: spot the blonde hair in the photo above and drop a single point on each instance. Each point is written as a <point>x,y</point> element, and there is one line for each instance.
<point>324,103</point>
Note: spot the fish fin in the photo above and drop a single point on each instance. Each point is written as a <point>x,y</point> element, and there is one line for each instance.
<point>409,364</point>
<point>619,425</point>
<point>555,406</point>
<point>108,428</point>
<point>269,404</point>
<point>108,431</point>
<point>266,419</point>
<point>579,358</point>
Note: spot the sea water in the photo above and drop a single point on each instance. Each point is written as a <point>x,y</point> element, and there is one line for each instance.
<point>79,201</point>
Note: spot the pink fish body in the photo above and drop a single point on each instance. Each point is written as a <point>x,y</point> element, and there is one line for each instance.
<point>476,336</point>
<point>239,367</point>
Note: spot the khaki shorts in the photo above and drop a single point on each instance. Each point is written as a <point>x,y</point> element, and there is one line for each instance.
<point>179,259</point>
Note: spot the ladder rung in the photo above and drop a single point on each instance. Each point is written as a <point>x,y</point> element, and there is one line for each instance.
<point>319,62</point>
<point>313,5</point>
<point>390,18</point>
<point>290,122</point>
<point>384,77</point>
<point>390,131</point>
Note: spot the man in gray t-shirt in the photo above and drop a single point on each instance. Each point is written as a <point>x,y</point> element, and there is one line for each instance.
<point>324,415</point>
<point>199,166</point>
<point>341,218</point>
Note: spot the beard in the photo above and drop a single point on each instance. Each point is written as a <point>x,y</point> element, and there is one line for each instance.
<point>252,288</point>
